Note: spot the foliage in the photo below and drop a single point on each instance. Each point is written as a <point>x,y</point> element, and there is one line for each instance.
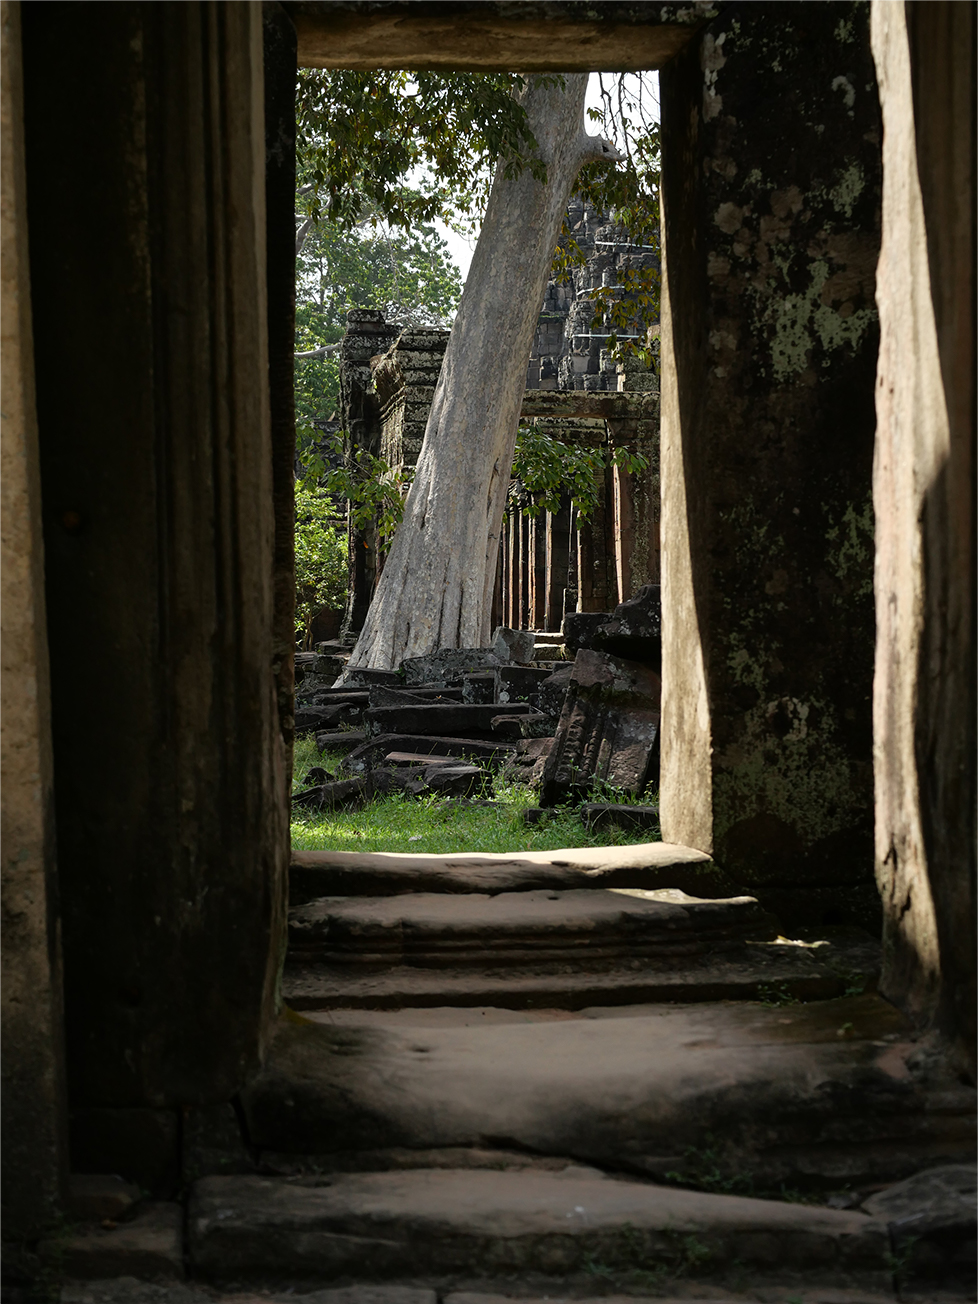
<point>409,277</point>
<point>629,192</point>
<point>374,490</point>
<point>706,1171</point>
<point>774,995</point>
<point>546,468</point>
<point>364,138</point>
<point>320,558</point>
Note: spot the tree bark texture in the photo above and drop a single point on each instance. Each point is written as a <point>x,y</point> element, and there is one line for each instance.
<point>436,589</point>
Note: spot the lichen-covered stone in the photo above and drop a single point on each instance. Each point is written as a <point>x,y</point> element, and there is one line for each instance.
<point>770,342</point>
<point>608,728</point>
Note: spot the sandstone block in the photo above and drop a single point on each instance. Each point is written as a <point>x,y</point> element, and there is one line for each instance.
<point>370,753</point>
<point>514,645</point>
<point>600,815</point>
<point>448,666</point>
<point>448,719</point>
<point>518,684</point>
<point>580,626</point>
<point>608,728</point>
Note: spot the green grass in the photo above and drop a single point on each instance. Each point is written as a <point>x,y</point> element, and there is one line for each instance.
<point>436,825</point>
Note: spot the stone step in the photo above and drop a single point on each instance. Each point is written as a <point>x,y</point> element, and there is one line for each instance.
<point>391,1224</point>
<point>816,1096</point>
<point>649,865</point>
<point>767,971</point>
<point>514,928</point>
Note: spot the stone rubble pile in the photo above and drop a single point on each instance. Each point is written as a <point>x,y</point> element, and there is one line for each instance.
<point>562,726</point>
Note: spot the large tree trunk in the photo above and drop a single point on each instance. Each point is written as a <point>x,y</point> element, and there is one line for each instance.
<point>437,583</point>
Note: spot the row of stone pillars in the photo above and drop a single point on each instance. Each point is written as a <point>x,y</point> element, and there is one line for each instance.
<point>554,562</point>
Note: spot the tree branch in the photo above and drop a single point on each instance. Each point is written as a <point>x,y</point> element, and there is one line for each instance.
<point>301,233</point>
<point>597,149</point>
<point>327,350</point>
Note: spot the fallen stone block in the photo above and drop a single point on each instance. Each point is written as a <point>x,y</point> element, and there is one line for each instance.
<point>331,796</point>
<point>149,1246</point>
<point>447,666</point>
<point>580,626</point>
<point>608,728</point>
<point>453,780</point>
<point>526,765</point>
<point>506,727</point>
<point>635,629</point>
<point>304,661</point>
<point>480,687</point>
<point>417,758</point>
<point>552,690</point>
<point>380,697</point>
<point>330,666</point>
<point>603,815</point>
<point>534,815</point>
<point>372,751</point>
<point>308,718</point>
<point>326,695</point>
<point>513,645</point>
<point>373,678</point>
<point>314,776</point>
<point>518,684</point>
<point>932,1222</point>
<point>530,725</point>
<point>445,720</point>
<point>338,740</point>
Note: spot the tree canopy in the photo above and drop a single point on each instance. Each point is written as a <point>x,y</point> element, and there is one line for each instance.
<point>400,149</point>
<point>409,276</point>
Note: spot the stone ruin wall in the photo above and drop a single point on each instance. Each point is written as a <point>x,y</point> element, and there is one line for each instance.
<point>568,351</point>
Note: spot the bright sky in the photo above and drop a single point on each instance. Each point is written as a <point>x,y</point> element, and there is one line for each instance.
<point>462,248</point>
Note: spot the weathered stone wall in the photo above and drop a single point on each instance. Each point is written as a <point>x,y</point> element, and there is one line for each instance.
<point>367,337</point>
<point>157,490</point>
<point>279,87</point>
<point>569,348</point>
<point>34,1113</point>
<point>924,495</point>
<point>386,398</point>
<point>405,380</point>
<point>771,191</point>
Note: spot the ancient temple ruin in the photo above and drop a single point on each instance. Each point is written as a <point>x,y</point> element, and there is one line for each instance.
<point>550,563</point>
<point>817,470</point>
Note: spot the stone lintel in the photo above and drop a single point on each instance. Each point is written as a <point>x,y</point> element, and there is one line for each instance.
<point>465,37</point>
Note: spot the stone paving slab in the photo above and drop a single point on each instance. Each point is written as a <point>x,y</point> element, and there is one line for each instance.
<point>403,1223</point>
<point>829,1093</point>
